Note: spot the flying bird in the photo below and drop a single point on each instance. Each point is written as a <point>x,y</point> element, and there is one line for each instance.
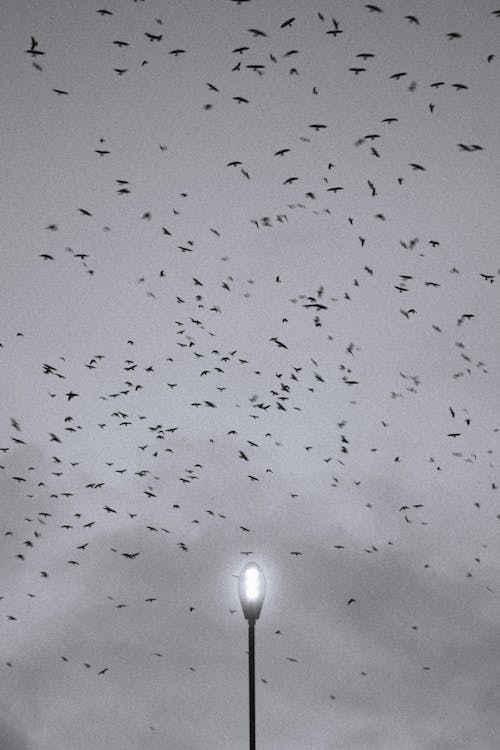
<point>33,51</point>
<point>278,342</point>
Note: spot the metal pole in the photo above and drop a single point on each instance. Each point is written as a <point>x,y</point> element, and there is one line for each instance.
<point>251,680</point>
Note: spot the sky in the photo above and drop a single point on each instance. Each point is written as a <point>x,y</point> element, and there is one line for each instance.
<point>249,311</point>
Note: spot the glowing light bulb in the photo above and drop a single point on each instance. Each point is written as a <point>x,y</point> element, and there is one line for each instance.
<point>251,589</point>
<point>252,583</point>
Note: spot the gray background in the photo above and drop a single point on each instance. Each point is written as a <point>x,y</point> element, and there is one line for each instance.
<point>413,661</point>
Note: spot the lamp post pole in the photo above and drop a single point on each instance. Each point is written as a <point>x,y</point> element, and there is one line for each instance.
<point>251,680</point>
<point>251,589</point>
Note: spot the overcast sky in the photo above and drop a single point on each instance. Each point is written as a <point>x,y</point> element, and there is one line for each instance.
<point>249,311</point>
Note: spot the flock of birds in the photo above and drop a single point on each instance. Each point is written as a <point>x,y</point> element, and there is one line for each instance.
<point>110,456</point>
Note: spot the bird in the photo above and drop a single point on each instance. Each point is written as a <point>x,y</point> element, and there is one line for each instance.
<point>33,51</point>
<point>278,342</point>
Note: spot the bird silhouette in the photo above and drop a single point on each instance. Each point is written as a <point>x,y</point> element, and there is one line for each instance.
<point>33,49</point>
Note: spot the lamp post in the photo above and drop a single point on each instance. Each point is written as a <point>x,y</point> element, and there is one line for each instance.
<point>251,590</point>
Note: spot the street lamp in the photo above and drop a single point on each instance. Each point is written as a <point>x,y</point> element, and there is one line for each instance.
<point>251,590</point>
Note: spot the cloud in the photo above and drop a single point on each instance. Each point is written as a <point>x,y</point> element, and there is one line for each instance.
<point>12,738</point>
